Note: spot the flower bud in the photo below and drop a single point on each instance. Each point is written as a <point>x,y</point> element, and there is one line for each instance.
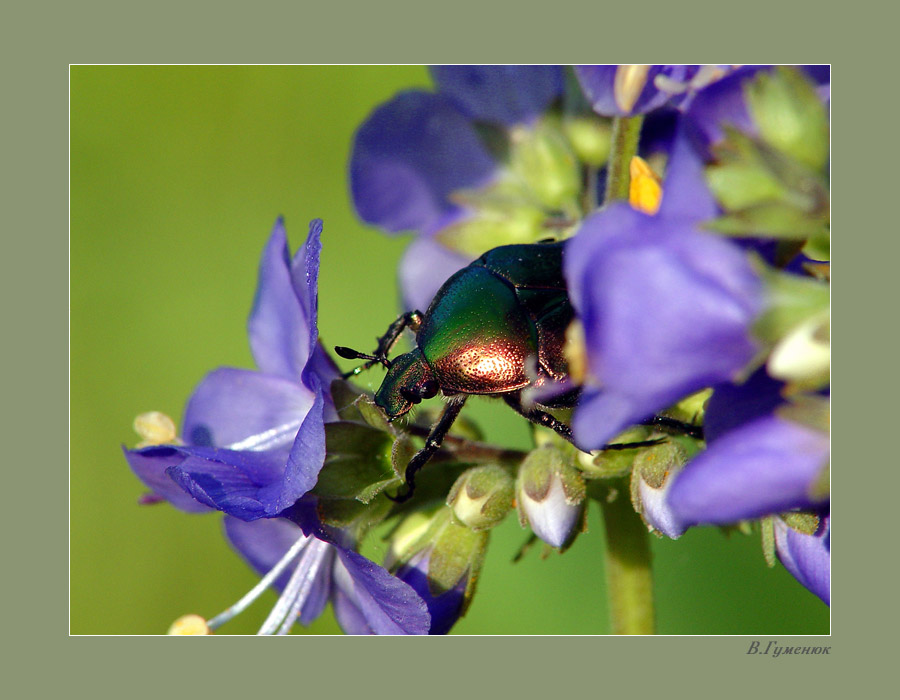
<point>591,138</point>
<point>544,160</point>
<point>803,356</point>
<point>790,115</point>
<point>550,496</point>
<point>651,478</point>
<point>440,558</point>
<point>482,496</point>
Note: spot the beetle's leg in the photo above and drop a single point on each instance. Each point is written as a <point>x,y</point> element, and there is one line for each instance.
<point>432,444</point>
<point>675,426</point>
<point>537,416</point>
<point>541,418</point>
<point>411,319</point>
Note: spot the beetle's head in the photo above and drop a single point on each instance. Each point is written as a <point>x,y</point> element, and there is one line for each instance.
<point>408,381</point>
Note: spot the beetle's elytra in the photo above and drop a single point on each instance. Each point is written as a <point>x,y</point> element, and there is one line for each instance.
<point>495,327</point>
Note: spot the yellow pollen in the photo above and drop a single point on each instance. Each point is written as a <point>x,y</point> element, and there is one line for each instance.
<point>645,192</point>
<point>155,428</point>
<point>189,625</point>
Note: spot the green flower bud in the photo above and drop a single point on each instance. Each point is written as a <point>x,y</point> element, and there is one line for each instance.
<point>550,496</point>
<point>651,477</point>
<point>482,496</point>
<point>440,557</point>
<point>542,158</point>
<point>489,227</point>
<point>591,138</point>
<point>790,115</point>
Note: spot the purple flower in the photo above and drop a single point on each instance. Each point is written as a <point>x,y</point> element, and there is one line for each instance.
<point>253,444</point>
<point>627,90</point>
<point>315,568</point>
<point>414,154</point>
<point>769,465</point>
<point>666,312</point>
<point>807,557</point>
<point>254,441</point>
<point>758,463</point>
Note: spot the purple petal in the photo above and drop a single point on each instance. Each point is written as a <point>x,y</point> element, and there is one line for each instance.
<point>601,415</point>
<point>279,326</point>
<point>767,466</point>
<point>500,94</point>
<point>388,605</point>
<point>150,464</point>
<point>409,156</point>
<point>445,608</point>
<point>686,196</point>
<point>723,102</point>
<point>733,405</point>
<point>666,312</point>
<point>238,483</point>
<point>349,615</point>
<point>807,557</point>
<point>426,265</point>
<point>264,542</point>
<point>243,409</point>
<point>305,461</point>
<point>305,280</point>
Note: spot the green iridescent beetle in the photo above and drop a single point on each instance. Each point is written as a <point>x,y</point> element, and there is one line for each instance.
<point>496,327</point>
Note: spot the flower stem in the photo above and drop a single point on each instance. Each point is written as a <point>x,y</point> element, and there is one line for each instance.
<point>625,135</point>
<point>628,574</point>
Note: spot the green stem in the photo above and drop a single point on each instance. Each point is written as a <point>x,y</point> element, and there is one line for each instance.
<point>625,136</point>
<point>628,574</point>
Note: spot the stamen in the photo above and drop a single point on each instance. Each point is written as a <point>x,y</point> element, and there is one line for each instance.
<point>261,586</point>
<point>706,75</point>
<point>155,428</point>
<point>628,85</point>
<point>315,562</point>
<point>294,594</point>
<point>645,191</point>
<point>189,626</point>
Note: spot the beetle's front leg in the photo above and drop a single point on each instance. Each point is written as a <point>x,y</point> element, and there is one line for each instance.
<point>432,444</point>
<point>411,319</point>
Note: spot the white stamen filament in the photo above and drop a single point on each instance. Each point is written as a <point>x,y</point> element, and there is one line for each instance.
<point>295,592</point>
<point>315,559</point>
<point>264,583</point>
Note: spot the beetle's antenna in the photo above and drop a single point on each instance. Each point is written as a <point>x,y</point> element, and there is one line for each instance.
<point>351,354</point>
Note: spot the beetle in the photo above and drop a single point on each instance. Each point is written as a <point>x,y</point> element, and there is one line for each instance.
<point>496,327</point>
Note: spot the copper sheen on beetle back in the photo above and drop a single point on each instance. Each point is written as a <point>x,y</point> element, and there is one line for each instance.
<point>494,328</point>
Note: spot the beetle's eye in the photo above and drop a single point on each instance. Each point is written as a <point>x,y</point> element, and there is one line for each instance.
<point>409,395</point>
<point>428,389</point>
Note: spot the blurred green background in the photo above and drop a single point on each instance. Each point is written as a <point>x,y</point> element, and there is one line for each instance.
<point>177,175</point>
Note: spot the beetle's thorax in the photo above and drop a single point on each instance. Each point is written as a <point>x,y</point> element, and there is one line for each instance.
<point>408,381</point>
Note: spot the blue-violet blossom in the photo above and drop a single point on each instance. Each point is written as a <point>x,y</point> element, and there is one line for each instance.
<point>416,151</point>
<point>253,444</point>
